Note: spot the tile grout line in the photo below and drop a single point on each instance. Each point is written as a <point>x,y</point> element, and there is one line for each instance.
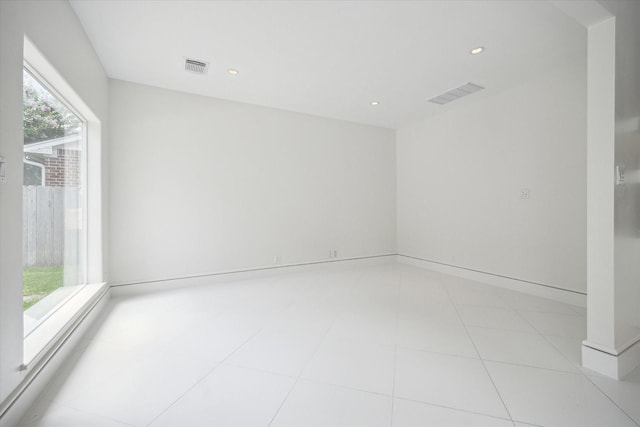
<point>480,414</point>
<point>212,370</point>
<point>292,385</point>
<point>297,379</point>
<point>580,369</point>
<point>453,408</point>
<point>479,355</point>
<point>295,382</point>
<point>519,314</point>
<point>299,376</point>
<point>502,362</point>
<point>547,339</point>
<point>82,411</point>
<point>91,341</point>
<point>395,349</point>
<point>536,332</point>
<point>611,399</point>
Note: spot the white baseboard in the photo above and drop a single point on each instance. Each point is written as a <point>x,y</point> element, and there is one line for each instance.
<point>537,289</point>
<point>121,290</point>
<point>611,362</point>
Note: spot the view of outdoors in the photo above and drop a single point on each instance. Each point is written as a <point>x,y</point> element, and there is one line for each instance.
<point>53,236</point>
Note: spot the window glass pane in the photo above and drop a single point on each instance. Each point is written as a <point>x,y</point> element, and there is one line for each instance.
<point>53,203</point>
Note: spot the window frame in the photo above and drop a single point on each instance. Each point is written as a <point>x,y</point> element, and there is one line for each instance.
<point>84,175</point>
<point>46,340</point>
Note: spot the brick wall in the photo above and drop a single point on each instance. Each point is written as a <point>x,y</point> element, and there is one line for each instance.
<point>63,170</point>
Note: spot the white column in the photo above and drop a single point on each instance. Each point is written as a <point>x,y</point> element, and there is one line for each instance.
<point>605,350</point>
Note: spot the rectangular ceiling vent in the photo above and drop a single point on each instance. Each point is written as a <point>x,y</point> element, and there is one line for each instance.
<point>195,66</point>
<point>457,93</point>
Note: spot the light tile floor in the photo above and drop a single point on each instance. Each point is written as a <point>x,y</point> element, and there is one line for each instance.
<point>382,345</point>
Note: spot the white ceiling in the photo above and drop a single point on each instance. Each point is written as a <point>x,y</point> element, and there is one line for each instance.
<point>332,58</point>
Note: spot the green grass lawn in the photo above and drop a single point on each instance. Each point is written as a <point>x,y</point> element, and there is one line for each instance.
<point>40,282</point>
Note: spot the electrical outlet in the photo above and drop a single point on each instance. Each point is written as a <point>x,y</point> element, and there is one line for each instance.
<point>335,253</point>
<point>277,259</point>
<point>525,193</point>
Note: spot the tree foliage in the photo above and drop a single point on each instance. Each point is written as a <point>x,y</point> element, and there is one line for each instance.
<point>44,116</point>
<point>41,120</point>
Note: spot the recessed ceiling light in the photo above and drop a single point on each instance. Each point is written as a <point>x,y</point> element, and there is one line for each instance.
<point>374,103</point>
<point>476,50</point>
<point>232,71</point>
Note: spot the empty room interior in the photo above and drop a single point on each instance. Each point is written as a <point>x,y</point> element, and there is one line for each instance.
<point>319,213</point>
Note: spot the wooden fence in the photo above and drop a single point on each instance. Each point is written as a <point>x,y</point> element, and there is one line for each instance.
<point>49,224</point>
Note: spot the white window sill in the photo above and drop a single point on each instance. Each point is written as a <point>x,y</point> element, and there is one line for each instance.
<point>52,331</point>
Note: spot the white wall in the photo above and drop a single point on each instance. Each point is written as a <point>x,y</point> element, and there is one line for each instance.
<point>201,185</point>
<point>56,32</point>
<point>460,174</point>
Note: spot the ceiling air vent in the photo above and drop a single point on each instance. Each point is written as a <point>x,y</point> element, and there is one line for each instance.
<point>453,94</point>
<point>194,66</point>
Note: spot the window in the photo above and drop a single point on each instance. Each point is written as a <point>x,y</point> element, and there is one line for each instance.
<point>54,201</point>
